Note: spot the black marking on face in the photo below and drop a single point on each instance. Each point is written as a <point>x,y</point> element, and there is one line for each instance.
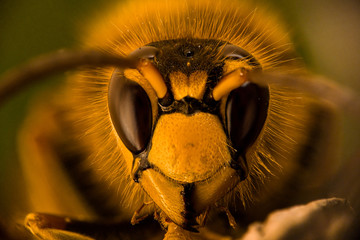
<point>174,55</point>
<point>189,106</point>
<point>189,214</point>
<point>143,165</point>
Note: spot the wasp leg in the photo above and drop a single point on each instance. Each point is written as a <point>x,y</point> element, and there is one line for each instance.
<point>136,218</point>
<point>51,227</point>
<point>203,217</point>
<point>230,217</point>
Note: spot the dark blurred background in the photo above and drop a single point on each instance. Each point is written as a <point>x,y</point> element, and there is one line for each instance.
<point>326,33</point>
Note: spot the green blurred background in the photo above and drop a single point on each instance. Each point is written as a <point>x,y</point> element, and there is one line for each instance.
<point>327,34</point>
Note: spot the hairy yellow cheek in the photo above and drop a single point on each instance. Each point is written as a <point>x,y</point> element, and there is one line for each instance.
<point>189,148</point>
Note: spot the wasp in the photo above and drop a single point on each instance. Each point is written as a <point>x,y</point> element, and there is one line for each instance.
<point>186,110</point>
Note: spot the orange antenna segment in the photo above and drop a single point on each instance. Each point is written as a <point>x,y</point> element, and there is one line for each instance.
<point>228,83</point>
<point>152,74</point>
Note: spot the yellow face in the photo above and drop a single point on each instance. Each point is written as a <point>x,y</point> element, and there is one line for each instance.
<point>188,139</point>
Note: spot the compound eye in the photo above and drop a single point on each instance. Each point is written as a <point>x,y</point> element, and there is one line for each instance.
<point>130,112</point>
<point>146,52</point>
<point>246,111</point>
<point>234,52</point>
